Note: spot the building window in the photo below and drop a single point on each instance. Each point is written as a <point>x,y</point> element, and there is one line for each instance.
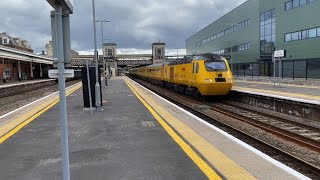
<point>5,41</point>
<point>225,32</point>
<point>7,72</point>
<point>288,5</point>
<point>109,52</point>
<point>312,33</point>
<point>288,37</point>
<point>303,2</point>
<point>296,3</point>
<point>304,34</point>
<point>267,32</point>
<point>295,36</point>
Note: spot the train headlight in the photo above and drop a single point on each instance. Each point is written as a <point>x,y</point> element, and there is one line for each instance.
<point>208,80</point>
<point>230,79</point>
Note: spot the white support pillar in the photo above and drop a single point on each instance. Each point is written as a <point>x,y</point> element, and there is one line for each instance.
<point>31,70</point>
<point>40,71</point>
<point>116,69</point>
<point>19,70</point>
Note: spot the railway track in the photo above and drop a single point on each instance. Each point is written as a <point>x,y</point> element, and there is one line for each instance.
<point>299,134</point>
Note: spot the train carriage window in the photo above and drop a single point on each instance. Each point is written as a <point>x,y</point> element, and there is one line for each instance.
<point>197,67</point>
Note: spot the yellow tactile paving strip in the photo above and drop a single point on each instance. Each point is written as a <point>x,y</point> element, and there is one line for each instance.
<point>226,166</point>
<point>12,123</point>
<point>279,93</point>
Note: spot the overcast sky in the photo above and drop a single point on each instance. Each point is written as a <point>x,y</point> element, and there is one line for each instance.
<point>135,24</point>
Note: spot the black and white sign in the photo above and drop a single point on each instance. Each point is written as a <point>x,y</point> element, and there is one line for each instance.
<point>53,73</point>
<point>280,53</point>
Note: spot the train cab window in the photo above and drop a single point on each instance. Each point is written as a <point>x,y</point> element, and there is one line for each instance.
<point>215,65</point>
<point>197,67</point>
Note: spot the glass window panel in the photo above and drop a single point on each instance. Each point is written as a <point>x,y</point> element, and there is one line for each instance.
<point>312,33</point>
<point>304,34</point>
<point>268,21</point>
<point>262,17</point>
<point>299,34</point>
<point>295,36</point>
<point>267,29</point>
<point>287,37</point>
<point>261,30</point>
<point>288,5</point>
<point>273,19</point>
<point>268,38</point>
<point>267,15</point>
<point>273,29</point>
<point>261,23</point>
<point>273,38</point>
<point>261,37</point>
<point>303,2</point>
<point>318,31</point>
<point>248,45</point>
<point>273,13</point>
<point>295,3</point>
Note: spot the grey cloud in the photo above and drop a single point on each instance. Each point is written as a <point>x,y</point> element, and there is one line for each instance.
<point>134,24</point>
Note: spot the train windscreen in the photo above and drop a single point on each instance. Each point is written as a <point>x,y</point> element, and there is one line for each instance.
<point>215,65</point>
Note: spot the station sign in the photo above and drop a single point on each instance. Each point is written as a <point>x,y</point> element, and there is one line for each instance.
<point>53,73</point>
<point>280,53</point>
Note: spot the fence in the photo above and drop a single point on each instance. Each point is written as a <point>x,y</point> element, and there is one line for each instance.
<point>307,68</point>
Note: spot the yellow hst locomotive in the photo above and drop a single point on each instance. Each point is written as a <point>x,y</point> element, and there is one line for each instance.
<point>206,75</point>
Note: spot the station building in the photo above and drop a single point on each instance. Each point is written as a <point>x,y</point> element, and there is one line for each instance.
<point>18,62</point>
<point>249,34</point>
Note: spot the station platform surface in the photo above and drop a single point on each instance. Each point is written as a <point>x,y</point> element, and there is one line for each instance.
<point>17,83</point>
<point>135,135</point>
<point>300,93</point>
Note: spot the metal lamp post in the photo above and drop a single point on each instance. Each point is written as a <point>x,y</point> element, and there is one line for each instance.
<point>103,53</point>
<point>60,36</point>
<point>97,85</point>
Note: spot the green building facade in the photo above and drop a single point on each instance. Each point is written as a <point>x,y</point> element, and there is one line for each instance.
<point>250,33</point>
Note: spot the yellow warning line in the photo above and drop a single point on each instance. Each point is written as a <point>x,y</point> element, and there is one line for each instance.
<point>206,169</point>
<point>36,113</point>
<point>288,94</point>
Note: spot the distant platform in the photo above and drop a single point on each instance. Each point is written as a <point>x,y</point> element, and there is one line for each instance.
<point>18,83</point>
<point>294,92</point>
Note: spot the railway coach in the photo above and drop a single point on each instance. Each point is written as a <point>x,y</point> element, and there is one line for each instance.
<point>200,75</point>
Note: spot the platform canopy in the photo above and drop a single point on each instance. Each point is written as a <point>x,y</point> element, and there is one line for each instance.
<point>66,4</point>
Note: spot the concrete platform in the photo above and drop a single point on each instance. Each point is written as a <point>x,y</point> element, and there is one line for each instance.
<point>122,141</point>
<point>299,93</point>
<point>137,135</point>
<point>23,82</point>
